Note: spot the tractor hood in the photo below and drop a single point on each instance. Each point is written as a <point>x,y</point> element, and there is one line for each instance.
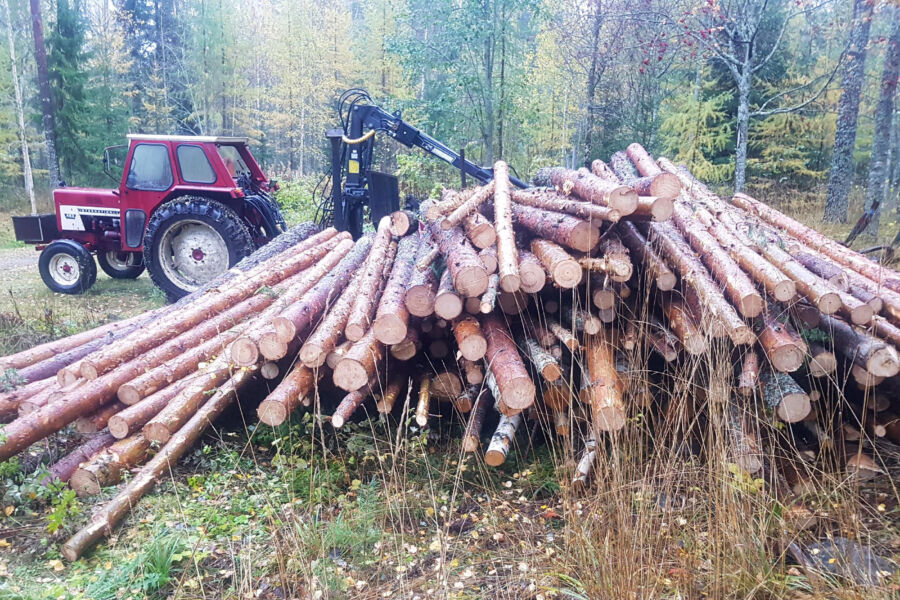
<point>75,206</point>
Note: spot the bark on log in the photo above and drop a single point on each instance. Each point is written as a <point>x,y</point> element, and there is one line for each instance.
<point>446,385</point>
<point>134,417</point>
<point>563,334</point>
<point>466,269</point>
<point>361,363</point>
<point>472,435</point>
<point>557,395</point>
<point>106,468</point>
<point>423,284</point>
<point>512,378</point>
<point>330,330</point>
<point>114,511</point>
<point>469,338</point>
<point>488,258</point>
<point>589,188</point>
<point>737,284</point>
<point>410,345</point>
<point>507,255</point>
<point>602,388</point>
<point>302,314</point>
<point>423,402</point>
<point>470,205</point>
<point>63,469</point>
<point>289,394</point>
<point>581,320</point>
<point>616,254</point>
<point>662,185</point>
<point>749,378</point>
<point>782,394</point>
<point>564,270</point>
<point>662,341</point>
<point>550,199</point>
<point>205,308</point>
<point>682,324</point>
<point>450,201</point>
<point>560,228</point>
<point>822,361</point>
<point>867,351</point>
<point>447,303</point>
<point>10,401</point>
<point>348,406</point>
<point>533,276</point>
<point>392,391</point>
<point>364,305</point>
<point>642,160</point>
<point>392,316</point>
<point>812,238</point>
<point>481,232</point>
<point>653,209</point>
<point>692,272</point>
<point>542,360</point>
<point>98,419</point>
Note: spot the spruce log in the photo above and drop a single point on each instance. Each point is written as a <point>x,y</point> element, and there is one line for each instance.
<point>549,199</point>
<point>10,401</point>
<point>812,238</point>
<point>564,270</point>
<point>470,205</point>
<point>466,268</point>
<point>330,330</point>
<point>360,364</point>
<point>339,352</point>
<point>450,201</point>
<point>364,305</point>
<point>503,359</point>
<point>423,284</point>
<point>737,284</point>
<point>603,296</point>
<point>498,449</point>
<point>783,346</point>
<point>447,303</point>
<point>469,338</point>
<point>114,511</point>
<point>392,316</point>
<point>642,160</point>
<point>886,331</point>
<point>488,300</point>
<point>662,185</point>
<point>403,222</point>
<point>656,269</point>
<point>867,351</point>
<point>589,188</point>
<point>533,276</point>
<point>205,308</point>
<point>306,311</point>
<point>650,208</point>
<point>134,417</point>
<point>782,394</point>
<point>63,469</point>
<point>98,419</point>
<point>480,230</point>
<point>349,404</point>
<point>566,230</point>
<point>662,341</point>
<point>602,388</point>
<point>581,320</point>
<point>289,394</point>
<point>106,468</point>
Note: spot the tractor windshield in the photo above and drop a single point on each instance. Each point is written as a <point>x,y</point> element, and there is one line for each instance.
<point>233,161</point>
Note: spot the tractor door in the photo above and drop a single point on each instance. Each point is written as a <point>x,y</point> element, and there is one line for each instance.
<point>146,183</point>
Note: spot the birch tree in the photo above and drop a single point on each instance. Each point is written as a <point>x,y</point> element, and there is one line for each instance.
<point>20,110</point>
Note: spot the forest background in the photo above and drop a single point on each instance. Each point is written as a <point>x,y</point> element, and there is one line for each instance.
<point>747,93</point>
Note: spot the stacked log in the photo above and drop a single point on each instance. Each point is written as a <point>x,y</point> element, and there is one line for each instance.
<point>496,306</point>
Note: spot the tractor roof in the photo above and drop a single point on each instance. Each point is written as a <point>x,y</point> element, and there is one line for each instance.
<point>216,139</point>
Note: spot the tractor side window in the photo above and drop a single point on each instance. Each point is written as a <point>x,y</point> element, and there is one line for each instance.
<point>194,165</point>
<point>233,161</point>
<point>150,168</point>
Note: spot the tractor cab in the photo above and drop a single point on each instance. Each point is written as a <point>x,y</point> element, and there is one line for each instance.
<point>186,209</point>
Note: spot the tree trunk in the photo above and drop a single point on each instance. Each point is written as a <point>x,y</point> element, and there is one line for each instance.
<point>601,387</point>
<point>783,346</point>
<point>20,111</point>
<point>884,115</point>
<point>783,395</point>
<point>481,232</point>
<point>471,203</point>
<point>531,272</point>
<point>469,338</point>
<point>560,228</point>
<point>743,128</point>
<point>553,200</point>
<point>447,303</point>
<point>467,271</point>
<point>289,394</point>
<point>654,267</point>
<point>43,75</point>
<point>360,364</point>
<point>134,417</point>
<point>840,180</point>
<point>331,329</point>
<point>589,188</point>
<point>423,284</point>
<point>505,363</point>
<point>563,269</point>
<point>392,316</point>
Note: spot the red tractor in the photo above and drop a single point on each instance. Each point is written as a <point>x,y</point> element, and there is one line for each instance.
<point>187,208</point>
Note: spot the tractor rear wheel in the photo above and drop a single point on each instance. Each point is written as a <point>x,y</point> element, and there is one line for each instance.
<point>121,265</point>
<point>191,240</point>
<point>67,267</point>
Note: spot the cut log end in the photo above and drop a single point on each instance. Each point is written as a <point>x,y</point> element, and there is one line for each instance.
<point>312,355</point>
<point>510,283</point>
<point>88,371</point>
<point>883,362</point>
<point>67,376</point>
<point>666,281</point>
<point>448,306</point>
<point>243,352</point>
<point>354,332</point>
<point>269,370</point>
<point>567,274</point>
<point>793,407</point>
<point>751,305</point>
<point>518,394</point>
<point>788,358</point>
<point>494,458</point>
<point>742,335</point>
<point>609,418</point>
<point>84,483</point>
<point>662,209</point>
<point>623,199</point>
<point>665,185</point>
<point>420,301</point>
<point>271,347</point>
<point>471,281</point>
<point>128,394</point>
<point>390,329</point>
<point>584,236</point>
<point>829,303</point>
<point>350,375</point>
<point>272,413</point>
<point>784,291</point>
<point>284,329</point>
<point>862,314</point>
<point>118,427</point>
<point>156,432</point>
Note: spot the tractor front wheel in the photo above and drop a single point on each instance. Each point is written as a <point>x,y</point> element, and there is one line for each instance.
<point>121,265</point>
<point>190,241</point>
<point>67,267</point>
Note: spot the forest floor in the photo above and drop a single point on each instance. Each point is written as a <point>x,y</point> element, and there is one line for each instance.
<point>383,510</point>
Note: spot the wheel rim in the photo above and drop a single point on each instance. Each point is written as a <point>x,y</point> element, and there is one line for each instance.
<point>192,253</point>
<point>121,261</point>
<point>64,269</point>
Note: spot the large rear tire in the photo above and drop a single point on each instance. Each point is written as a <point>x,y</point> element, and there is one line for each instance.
<point>67,267</point>
<point>191,240</point>
<point>121,265</point>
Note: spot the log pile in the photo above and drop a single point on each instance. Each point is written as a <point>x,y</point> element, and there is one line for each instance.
<point>555,305</point>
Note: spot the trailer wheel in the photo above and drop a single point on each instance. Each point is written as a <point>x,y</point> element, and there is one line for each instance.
<point>67,267</point>
<point>191,240</point>
<point>121,265</point>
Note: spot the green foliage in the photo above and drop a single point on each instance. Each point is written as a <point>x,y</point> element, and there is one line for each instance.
<point>146,574</point>
<point>65,507</point>
<point>296,199</point>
